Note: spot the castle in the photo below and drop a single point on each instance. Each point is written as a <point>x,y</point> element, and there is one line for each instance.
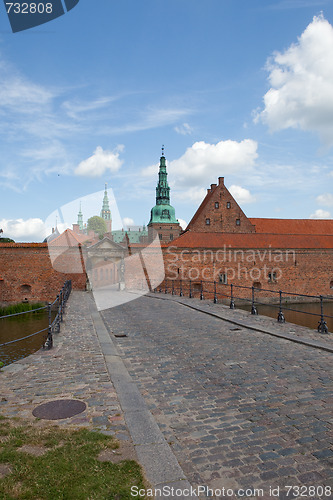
<point>220,244</point>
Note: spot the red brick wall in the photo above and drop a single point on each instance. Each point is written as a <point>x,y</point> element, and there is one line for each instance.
<point>299,271</point>
<point>214,209</point>
<point>24,266</point>
<point>165,230</point>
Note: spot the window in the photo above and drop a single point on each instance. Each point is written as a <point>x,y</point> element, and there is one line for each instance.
<point>223,278</point>
<point>331,284</point>
<point>171,236</point>
<point>160,236</point>
<point>228,204</point>
<point>257,285</point>
<point>271,277</point>
<point>207,222</point>
<point>217,204</point>
<point>26,288</point>
<point>237,222</point>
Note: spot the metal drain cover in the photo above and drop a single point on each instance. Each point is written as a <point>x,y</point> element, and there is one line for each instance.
<point>58,409</point>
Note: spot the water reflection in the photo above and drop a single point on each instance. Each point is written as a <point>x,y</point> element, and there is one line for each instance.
<point>18,327</point>
<point>308,315</point>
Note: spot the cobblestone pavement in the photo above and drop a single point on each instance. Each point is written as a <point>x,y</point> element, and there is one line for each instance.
<point>240,409</point>
<point>74,368</point>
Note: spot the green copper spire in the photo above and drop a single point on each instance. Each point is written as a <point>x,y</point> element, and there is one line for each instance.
<point>163,211</point>
<point>106,212</point>
<point>80,219</point>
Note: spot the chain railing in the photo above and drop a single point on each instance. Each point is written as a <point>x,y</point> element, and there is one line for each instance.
<point>217,290</point>
<point>55,309</point>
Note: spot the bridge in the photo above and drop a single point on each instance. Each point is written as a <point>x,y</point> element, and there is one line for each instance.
<point>202,395</point>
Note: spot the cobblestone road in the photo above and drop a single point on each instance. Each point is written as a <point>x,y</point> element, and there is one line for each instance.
<point>74,368</point>
<point>240,409</point>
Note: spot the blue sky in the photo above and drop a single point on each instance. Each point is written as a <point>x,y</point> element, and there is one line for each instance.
<point>235,88</point>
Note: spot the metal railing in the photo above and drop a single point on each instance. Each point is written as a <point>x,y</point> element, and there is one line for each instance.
<point>211,289</point>
<point>55,309</point>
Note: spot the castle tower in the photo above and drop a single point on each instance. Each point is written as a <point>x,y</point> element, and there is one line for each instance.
<point>80,219</point>
<point>106,212</point>
<point>162,216</point>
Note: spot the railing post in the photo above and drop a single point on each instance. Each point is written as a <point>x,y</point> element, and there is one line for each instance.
<point>61,305</point>
<point>215,296</point>
<point>173,288</point>
<point>281,318</point>
<point>253,308</point>
<point>180,288</point>
<point>49,341</point>
<point>201,291</point>
<point>190,294</point>
<point>232,302</point>
<point>166,286</point>
<point>322,326</point>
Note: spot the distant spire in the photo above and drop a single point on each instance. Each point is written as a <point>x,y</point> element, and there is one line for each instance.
<point>106,212</point>
<point>80,219</point>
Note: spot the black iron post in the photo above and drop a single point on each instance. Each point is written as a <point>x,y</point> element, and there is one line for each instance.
<point>173,288</point>
<point>253,308</point>
<point>61,304</point>
<point>281,318</point>
<point>322,326</point>
<point>215,296</point>
<point>190,295</point>
<point>180,288</point>
<point>201,291</point>
<point>232,302</point>
<point>49,341</point>
<point>166,286</point>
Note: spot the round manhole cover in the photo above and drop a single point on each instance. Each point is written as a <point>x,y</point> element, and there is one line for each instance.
<point>60,408</point>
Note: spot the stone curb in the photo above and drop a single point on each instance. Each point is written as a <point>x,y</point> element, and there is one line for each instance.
<point>244,324</point>
<point>155,455</point>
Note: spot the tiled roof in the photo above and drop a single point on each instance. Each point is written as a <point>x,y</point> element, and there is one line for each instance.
<point>252,240</point>
<point>293,226</point>
<point>69,239</point>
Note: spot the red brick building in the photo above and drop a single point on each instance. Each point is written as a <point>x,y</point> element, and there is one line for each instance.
<point>222,244</point>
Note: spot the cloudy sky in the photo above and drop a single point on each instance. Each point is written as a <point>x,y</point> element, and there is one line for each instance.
<point>235,88</point>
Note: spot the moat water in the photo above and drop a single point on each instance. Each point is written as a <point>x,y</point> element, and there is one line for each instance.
<point>18,327</point>
<point>307,314</point>
<point>21,326</point>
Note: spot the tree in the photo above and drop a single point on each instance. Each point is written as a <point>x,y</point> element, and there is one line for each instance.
<point>97,224</point>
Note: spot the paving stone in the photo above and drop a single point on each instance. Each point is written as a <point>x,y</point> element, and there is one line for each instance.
<point>256,397</point>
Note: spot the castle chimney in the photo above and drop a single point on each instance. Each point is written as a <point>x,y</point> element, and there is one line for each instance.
<point>212,186</point>
<point>221,181</point>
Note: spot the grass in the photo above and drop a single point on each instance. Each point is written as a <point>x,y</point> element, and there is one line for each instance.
<point>68,469</point>
<point>17,308</point>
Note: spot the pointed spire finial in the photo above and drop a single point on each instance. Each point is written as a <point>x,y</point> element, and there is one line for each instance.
<point>162,149</point>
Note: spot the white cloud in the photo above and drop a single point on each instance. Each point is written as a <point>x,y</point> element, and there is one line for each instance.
<point>320,214</point>
<point>325,199</point>
<point>74,109</point>
<point>241,195</point>
<point>184,129</point>
<point>23,230</point>
<point>183,224</point>
<point>202,163</point>
<point>192,194</point>
<point>301,79</point>
<point>127,221</point>
<point>101,161</point>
